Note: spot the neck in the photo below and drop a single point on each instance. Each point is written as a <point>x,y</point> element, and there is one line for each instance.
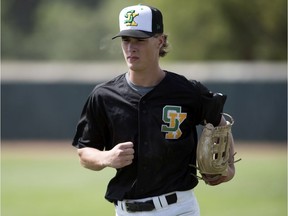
<point>148,78</point>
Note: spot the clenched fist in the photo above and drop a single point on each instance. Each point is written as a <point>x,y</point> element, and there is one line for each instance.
<point>121,155</point>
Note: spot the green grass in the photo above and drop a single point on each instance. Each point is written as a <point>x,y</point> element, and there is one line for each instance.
<point>258,189</point>
<point>51,183</point>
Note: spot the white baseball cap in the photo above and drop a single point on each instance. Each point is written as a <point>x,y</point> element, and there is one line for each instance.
<point>140,21</point>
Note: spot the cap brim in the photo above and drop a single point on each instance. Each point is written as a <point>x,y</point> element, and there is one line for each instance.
<point>134,34</point>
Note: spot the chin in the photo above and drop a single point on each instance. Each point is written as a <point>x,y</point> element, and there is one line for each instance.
<point>133,67</point>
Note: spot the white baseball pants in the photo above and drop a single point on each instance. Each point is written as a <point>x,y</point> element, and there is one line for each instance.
<point>186,205</point>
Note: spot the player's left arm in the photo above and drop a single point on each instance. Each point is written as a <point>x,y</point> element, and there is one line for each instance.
<point>215,180</point>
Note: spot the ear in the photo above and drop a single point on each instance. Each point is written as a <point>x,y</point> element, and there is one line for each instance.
<point>160,41</point>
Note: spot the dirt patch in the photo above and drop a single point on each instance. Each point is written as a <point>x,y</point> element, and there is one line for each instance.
<point>261,147</point>
<point>65,147</point>
<point>37,148</point>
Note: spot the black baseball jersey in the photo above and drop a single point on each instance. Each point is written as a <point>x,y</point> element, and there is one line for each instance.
<point>162,126</point>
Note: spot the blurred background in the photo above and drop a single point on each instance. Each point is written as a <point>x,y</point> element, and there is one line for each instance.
<point>81,30</point>
<point>54,52</point>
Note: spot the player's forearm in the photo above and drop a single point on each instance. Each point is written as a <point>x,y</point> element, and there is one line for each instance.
<point>92,158</point>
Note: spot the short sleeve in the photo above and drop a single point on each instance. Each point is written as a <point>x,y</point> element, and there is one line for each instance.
<point>212,105</point>
<point>90,130</point>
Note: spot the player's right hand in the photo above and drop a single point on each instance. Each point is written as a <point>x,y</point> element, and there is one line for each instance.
<point>121,155</point>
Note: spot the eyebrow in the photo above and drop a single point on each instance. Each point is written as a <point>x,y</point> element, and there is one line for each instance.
<point>127,37</point>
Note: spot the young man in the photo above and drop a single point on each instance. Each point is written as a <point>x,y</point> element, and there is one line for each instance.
<point>143,124</point>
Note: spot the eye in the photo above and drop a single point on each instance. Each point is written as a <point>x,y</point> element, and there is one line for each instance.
<point>125,39</point>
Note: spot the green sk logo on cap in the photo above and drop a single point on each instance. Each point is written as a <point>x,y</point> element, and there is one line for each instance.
<point>172,115</point>
<point>130,15</point>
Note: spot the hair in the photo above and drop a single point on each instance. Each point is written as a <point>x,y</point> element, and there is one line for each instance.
<point>164,49</point>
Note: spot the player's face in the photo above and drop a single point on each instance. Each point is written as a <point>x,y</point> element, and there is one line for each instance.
<point>141,54</point>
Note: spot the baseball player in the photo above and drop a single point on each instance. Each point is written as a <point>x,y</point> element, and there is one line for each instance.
<point>143,124</point>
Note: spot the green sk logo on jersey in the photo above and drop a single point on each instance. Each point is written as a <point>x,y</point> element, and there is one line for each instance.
<point>173,117</point>
<point>130,15</point>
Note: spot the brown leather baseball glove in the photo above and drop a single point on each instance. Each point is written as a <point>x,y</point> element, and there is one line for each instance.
<point>213,149</point>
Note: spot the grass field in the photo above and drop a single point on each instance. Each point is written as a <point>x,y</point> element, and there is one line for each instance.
<point>45,179</point>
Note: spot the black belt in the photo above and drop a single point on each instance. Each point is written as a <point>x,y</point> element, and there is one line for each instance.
<point>148,205</point>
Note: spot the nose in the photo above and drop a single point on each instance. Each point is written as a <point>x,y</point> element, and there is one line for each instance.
<point>131,47</point>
